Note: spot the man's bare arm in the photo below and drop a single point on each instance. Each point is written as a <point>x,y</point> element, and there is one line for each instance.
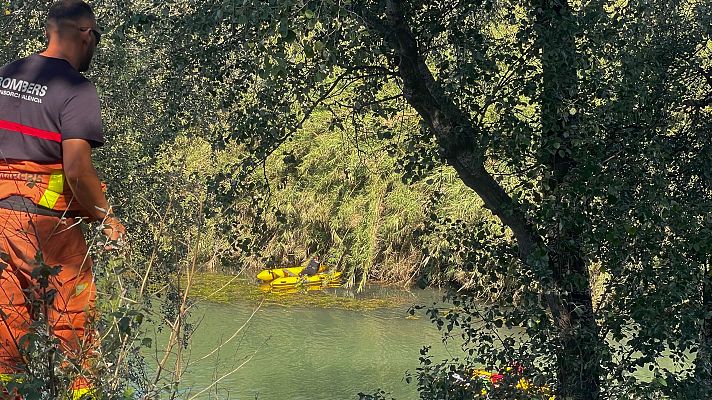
<point>86,187</point>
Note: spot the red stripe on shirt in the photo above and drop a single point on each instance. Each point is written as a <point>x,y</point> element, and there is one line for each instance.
<point>30,131</point>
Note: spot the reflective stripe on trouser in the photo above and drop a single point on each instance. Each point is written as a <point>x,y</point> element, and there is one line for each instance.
<point>61,243</point>
<point>55,188</point>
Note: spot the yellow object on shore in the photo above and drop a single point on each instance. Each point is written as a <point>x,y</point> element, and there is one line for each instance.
<point>267,275</point>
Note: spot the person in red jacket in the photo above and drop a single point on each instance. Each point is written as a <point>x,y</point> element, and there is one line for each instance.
<point>49,122</point>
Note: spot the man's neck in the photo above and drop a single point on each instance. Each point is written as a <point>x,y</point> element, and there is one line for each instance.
<point>54,52</point>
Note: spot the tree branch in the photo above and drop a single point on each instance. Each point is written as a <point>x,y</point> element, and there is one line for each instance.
<point>454,130</point>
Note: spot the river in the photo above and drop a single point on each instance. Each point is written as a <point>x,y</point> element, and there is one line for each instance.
<point>293,353</point>
<point>296,353</point>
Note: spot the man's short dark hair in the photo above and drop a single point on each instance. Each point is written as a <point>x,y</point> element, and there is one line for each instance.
<point>69,10</point>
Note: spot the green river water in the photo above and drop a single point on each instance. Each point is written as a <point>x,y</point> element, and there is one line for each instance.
<point>311,352</point>
<point>293,353</point>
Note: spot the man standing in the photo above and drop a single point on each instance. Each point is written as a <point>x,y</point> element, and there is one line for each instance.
<point>49,123</point>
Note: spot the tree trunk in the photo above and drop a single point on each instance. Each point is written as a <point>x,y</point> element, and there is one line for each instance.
<point>703,364</point>
<point>578,359</point>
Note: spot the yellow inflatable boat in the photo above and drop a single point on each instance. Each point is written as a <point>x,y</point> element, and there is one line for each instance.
<point>267,275</point>
<point>267,288</point>
<point>320,279</point>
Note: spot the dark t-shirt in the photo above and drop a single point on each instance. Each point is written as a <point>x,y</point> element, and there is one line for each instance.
<point>312,268</point>
<point>43,101</point>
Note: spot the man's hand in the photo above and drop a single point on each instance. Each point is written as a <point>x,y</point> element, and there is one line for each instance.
<point>83,179</point>
<point>86,187</point>
<point>114,231</point>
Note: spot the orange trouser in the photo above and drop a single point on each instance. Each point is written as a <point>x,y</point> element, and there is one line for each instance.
<point>60,243</point>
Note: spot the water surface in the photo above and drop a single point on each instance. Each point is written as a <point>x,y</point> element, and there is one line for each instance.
<point>308,353</point>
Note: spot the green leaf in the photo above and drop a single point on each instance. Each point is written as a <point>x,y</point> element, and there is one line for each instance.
<point>308,51</point>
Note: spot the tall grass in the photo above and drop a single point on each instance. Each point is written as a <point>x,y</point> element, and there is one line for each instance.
<point>328,192</point>
<point>346,202</point>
